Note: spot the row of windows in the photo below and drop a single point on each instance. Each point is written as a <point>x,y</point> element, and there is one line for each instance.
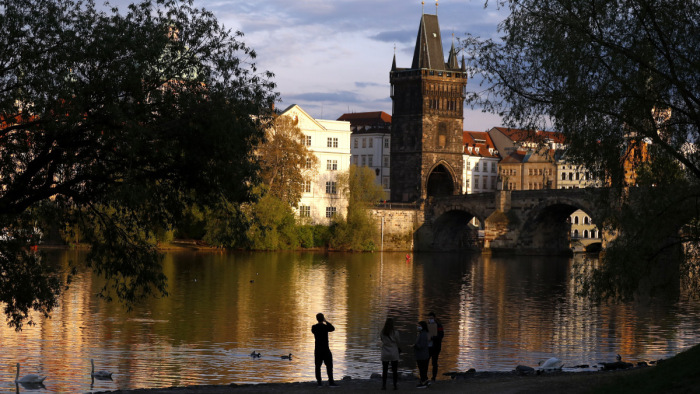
<point>586,234</point>
<point>485,166</point>
<point>483,182</point>
<point>570,175</point>
<point>305,211</point>
<point>368,160</point>
<point>366,140</point>
<point>331,142</point>
<point>586,220</point>
<point>539,171</point>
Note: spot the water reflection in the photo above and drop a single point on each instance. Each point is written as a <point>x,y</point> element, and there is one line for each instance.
<point>497,313</point>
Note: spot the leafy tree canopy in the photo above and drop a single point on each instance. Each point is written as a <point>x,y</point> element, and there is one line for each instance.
<point>606,73</point>
<point>114,121</point>
<point>285,161</point>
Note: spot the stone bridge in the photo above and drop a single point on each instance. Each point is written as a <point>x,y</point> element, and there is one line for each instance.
<point>527,221</point>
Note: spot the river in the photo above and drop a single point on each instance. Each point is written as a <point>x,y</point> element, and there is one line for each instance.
<point>497,313</point>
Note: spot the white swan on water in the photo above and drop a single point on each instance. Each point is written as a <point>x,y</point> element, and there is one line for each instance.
<point>31,378</point>
<point>99,374</point>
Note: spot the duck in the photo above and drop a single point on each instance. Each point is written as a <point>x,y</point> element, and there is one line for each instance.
<point>99,374</point>
<point>31,378</point>
<point>287,357</point>
<point>254,355</point>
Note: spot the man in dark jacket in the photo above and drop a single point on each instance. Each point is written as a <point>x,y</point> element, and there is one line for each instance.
<point>322,352</point>
<point>436,333</point>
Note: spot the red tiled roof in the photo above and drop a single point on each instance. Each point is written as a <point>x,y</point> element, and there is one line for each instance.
<point>366,118</point>
<point>481,140</point>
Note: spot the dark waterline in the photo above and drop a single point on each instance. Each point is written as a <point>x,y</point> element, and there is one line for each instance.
<point>497,312</point>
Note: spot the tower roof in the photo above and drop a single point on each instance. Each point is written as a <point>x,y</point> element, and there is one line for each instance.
<point>428,52</point>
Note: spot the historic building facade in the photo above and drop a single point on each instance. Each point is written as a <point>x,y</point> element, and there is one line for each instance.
<point>329,140</point>
<point>371,144</point>
<point>427,120</point>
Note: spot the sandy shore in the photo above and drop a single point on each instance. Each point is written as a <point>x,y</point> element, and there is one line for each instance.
<point>478,383</point>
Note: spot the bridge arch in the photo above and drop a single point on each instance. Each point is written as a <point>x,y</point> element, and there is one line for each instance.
<point>454,230</point>
<point>546,228</point>
<point>441,180</point>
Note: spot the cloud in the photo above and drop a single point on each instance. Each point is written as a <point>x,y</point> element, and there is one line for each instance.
<point>371,84</point>
<point>402,36</point>
<point>325,97</point>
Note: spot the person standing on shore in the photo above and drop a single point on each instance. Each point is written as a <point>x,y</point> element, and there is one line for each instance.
<point>322,351</point>
<point>422,355</point>
<point>437,332</point>
<point>390,352</point>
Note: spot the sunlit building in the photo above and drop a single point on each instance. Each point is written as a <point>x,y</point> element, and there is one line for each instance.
<point>329,140</point>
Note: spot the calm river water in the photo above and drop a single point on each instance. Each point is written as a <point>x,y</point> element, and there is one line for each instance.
<point>497,313</point>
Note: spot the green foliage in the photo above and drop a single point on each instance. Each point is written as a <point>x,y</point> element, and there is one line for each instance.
<point>608,75</point>
<point>121,119</point>
<point>283,160</point>
<point>226,225</point>
<point>358,231</point>
<point>272,225</point>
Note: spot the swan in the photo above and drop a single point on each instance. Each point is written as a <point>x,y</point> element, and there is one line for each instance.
<point>99,374</point>
<point>287,357</point>
<point>551,364</point>
<point>31,378</point>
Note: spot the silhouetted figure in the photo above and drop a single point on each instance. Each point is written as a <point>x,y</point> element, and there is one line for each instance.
<point>422,354</point>
<point>390,351</point>
<point>436,333</point>
<point>322,352</point>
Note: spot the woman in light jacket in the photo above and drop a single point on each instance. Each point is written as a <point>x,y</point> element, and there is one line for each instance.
<point>390,351</point>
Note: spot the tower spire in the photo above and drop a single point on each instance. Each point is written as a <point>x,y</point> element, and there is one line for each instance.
<point>436,7</point>
<point>422,7</point>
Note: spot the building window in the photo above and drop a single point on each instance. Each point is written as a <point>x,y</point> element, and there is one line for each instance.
<point>369,159</point>
<point>476,182</point>
<point>332,142</point>
<point>476,166</point>
<point>355,143</point>
<point>364,160</point>
<point>309,162</point>
<point>371,142</point>
<point>493,182</point>
<point>386,142</point>
<point>493,167</point>
<point>364,142</point>
<point>354,159</point>
<point>330,212</point>
<point>575,219</point>
<point>563,176</point>
<point>331,187</point>
<point>331,165</point>
<point>386,161</point>
<point>306,140</point>
<point>305,211</point>
<point>385,182</point>
<point>306,187</point>
<point>485,180</point>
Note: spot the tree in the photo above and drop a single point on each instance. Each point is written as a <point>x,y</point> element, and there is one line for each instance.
<point>115,122</point>
<point>285,161</point>
<point>606,73</point>
<point>357,231</point>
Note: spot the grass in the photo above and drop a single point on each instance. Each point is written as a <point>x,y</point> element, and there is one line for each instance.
<point>679,374</point>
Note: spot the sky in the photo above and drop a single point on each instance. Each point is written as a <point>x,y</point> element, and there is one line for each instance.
<point>334,56</point>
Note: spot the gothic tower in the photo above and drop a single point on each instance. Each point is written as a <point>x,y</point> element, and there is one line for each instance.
<point>427,119</point>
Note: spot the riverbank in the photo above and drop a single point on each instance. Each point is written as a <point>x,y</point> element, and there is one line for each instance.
<point>478,383</point>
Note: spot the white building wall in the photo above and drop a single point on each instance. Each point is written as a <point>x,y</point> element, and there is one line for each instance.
<point>476,170</point>
<point>372,150</point>
<point>330,142</point>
